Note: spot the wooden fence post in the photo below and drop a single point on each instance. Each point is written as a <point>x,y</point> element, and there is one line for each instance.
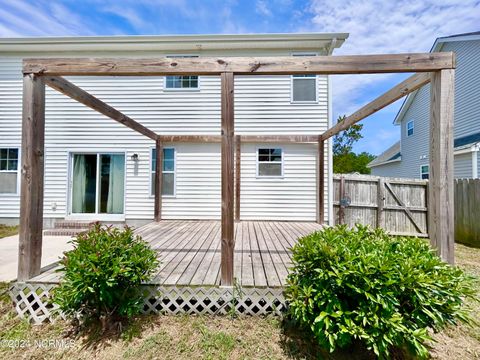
<point>341,209</point>
<point>32,170</point>
<point>321,181</point>
<point>228,152</point>
<point>158,180</point>
<point>380,203</point>
<point>440,196</point>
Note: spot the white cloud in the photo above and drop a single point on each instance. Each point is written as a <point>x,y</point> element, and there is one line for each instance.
<point>386,26</point>
<point>39,18</point>
<point>262,8</point>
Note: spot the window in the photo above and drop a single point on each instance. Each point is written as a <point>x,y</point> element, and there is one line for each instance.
<point>424,172</point>
<point>8,170</point>
<point>304,87</point>
<point>269,162</point>
<point>181,82</point>
<point>410,128</point>
<point>168,178</point>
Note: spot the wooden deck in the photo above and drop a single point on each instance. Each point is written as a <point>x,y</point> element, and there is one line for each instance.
<point>189,252</point>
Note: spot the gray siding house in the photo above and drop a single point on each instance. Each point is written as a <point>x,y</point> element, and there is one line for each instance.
<point>409,157</point>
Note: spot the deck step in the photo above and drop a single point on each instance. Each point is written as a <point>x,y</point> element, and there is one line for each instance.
<point>72,224</point>
<point>63,232</point>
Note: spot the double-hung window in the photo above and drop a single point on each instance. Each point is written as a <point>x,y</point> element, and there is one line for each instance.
<point>269,162</point>
<point>9,170</point>
<point>189,82</point>
<point>304,87</point>
<point>410,127</point>
<point>168,172</point>
<point>424,172</point>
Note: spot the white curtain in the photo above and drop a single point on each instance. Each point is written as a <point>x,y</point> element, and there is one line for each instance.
<point>116,183</point>
<point>79,184</point>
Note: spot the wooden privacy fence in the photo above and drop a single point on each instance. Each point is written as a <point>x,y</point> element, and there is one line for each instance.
<point>467,211</point>
<point>395,204</point>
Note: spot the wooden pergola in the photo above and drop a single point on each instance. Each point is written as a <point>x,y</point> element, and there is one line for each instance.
<point>434,68</point>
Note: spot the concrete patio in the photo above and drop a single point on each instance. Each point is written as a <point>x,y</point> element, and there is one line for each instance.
<point>53,247</point>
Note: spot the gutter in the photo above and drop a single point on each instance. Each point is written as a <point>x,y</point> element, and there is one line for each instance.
<point>307,41</point>
<point>385,162</point>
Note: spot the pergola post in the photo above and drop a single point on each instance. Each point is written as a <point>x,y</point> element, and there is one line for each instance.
<point>32,170</point>
<point>158,180</point>
<point>321,181</point>
<point>227,153</point>
<point>238,175</point>
<point>441,184</point>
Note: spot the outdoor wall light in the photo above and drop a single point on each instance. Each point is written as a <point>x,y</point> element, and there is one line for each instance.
<point>134,157</point>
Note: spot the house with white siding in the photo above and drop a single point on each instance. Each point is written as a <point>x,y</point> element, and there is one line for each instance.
<point>409,157</point>
<point>98,169</point>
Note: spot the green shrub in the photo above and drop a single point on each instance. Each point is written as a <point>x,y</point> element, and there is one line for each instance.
<point>103,273</point>
<point>351,285</point>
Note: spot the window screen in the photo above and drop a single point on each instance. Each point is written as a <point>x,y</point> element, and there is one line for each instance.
<point>8,170</point>
<point>270,162</point>
<point>168,178</point>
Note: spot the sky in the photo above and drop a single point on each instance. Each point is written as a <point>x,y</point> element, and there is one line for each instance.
<point>375,26</point>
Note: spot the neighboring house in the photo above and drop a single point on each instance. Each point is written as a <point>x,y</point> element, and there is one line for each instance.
<point>409,157</point>
<point>98,169</point>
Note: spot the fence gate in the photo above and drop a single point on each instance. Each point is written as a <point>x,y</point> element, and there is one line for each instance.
<point>395,204</point>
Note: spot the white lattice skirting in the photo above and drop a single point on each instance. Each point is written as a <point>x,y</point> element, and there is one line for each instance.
<point>33,301</point>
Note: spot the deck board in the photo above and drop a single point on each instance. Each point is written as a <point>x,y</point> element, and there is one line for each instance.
<point>189,252</point>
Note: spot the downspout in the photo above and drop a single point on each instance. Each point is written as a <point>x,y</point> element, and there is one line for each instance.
<point>331,221</point>
<point>475,150</point>
<point>332,46</point>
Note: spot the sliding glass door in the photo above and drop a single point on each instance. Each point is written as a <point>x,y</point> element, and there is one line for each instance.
<point>98,183</point>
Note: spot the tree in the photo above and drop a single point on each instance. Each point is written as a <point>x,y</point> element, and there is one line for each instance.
<point>344,140</point>
<point>344,159</point>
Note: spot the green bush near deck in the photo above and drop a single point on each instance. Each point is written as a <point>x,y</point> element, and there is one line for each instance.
<point>362,285</point>
<point>102,275</point>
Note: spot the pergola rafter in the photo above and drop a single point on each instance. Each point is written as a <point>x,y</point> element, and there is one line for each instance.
<point>437,68</point>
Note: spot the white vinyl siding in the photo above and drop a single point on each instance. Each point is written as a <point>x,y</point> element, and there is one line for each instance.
<point>262,107</point>
<point>463,165</point>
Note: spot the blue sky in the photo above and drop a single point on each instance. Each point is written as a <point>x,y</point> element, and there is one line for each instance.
<point>377,26</point>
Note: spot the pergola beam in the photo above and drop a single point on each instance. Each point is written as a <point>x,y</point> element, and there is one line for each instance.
<point>243,138</point>
<point>280,65</point>
<point>87,99</point>
<point>407,86</point>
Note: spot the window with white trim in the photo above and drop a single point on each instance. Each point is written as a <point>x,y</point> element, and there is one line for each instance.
<point>269,162</point>
<point>9,170</point>
<point>410,126</point>
<point>181,82</point>
<point>168,173</point>
<point>304,87</point>
<point>424,172</point>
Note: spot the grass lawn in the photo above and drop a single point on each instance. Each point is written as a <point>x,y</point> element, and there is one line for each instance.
<point>198,337</point>
<point>6,230</point>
